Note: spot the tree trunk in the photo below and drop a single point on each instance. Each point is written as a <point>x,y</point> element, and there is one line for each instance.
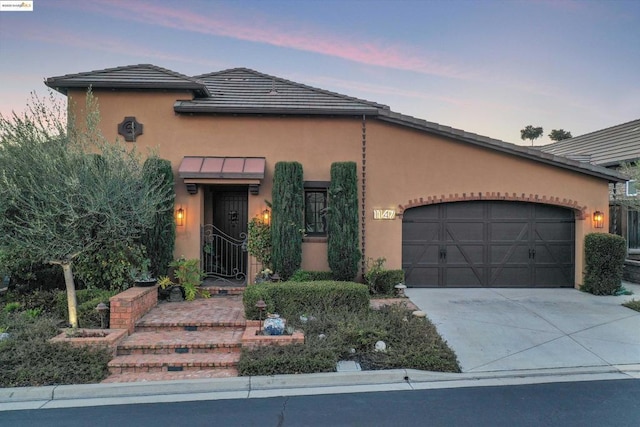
<point>72,302</point>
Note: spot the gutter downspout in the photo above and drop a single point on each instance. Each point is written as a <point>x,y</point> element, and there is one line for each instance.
<point>363,262</point>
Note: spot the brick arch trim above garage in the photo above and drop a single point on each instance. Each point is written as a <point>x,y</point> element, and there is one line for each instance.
<point>580,211</point>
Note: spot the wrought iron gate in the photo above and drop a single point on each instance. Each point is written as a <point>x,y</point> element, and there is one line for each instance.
<point>224,257</point>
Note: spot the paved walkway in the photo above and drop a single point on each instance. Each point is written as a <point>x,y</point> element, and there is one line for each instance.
<point>519,329</point>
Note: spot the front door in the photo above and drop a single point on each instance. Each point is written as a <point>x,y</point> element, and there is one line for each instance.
<point>224,236</point>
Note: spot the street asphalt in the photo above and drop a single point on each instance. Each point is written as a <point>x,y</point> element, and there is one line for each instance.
<point>501,337</point>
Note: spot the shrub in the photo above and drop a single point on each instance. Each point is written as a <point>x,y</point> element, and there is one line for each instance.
<point>291,299</point>
<point>37,299</point>
<point>27,358</point>
<point>290,359</point>
<point>259,241</point>
<point>108,266</point>
<point>287,219</point>
<point>310,276</point>
<point>342,213</point>
<point>604,262</point>
<point>381,281</point>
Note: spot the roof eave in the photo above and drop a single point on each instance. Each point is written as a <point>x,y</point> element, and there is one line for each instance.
<point>182,107</point>
<point>63,87</point>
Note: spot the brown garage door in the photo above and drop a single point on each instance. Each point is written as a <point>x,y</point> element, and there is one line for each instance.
<point>488,244</point>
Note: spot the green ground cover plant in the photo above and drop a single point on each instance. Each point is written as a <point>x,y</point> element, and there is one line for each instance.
<point>344,330</point>
<point>634,304</point>
<point>27,358</point>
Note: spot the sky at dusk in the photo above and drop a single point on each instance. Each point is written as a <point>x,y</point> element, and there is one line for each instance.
<point>488,67</point>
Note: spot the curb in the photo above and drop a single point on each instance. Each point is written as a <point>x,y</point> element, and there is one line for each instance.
<point>330,382</point>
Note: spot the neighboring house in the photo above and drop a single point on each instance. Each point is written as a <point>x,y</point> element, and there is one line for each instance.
<point>611,148</point>
<point>450,207</point>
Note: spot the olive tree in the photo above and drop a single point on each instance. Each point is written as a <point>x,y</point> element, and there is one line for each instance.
<point>65,190</point>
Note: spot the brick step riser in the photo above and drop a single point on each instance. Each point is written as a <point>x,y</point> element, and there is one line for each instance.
<point>125,351</point>
<point>212,327</point>
<point>142,368</point>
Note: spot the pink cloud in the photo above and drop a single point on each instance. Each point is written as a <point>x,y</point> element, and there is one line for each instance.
<point>262,30</point>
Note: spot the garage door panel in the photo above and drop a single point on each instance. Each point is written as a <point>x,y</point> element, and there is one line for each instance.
<point>543,212</point>
<point>471,211</point>
<point>554,277</point>
<point>509,254</point>
<point>463,277</point>
<point>508,211</point>
<point>420,231</point>
<point>552,254</point>
<point>467,254</point>
<point>509,231</point>
<point>510,276</point>
<point>554,232</point>
<point>465,232</point>
<point>423,277</point>
<point>419,254</point>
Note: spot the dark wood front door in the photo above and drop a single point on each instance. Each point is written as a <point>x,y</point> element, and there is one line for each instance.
<point>488,244</point>
<point>224,237</point>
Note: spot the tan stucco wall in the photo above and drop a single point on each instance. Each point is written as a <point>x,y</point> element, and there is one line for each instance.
<point>402,165</point>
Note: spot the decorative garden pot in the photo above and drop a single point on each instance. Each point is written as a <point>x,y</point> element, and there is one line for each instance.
<point>175,295</point>
<point>274,325</point>
<point>146,283</point>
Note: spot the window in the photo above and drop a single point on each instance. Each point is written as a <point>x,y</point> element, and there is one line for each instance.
<point>631,189</point>
<point>315,208</point>
<point>633,231</point>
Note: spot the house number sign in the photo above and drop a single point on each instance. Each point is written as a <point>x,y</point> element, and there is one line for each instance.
<point>384,214</point>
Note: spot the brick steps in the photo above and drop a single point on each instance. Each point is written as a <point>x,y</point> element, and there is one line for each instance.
<point>180,341</point>
<point>185,340</point>
<point>135,363</point>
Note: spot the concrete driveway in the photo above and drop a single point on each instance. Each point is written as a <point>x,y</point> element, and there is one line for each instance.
<point>514,329</point>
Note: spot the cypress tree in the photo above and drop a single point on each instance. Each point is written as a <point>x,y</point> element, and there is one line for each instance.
<point>287,219</point>
<point>344,252</point>
<point>160,240</point>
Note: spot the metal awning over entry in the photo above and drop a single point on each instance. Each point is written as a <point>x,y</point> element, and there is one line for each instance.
<point>222,170</point>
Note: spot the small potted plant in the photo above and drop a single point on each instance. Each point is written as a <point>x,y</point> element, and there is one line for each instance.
<point>141,276</point>
<point>188,275</point>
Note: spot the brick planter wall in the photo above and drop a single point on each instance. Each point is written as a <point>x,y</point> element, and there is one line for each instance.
<point>112,338</point>
<point>129,306</point>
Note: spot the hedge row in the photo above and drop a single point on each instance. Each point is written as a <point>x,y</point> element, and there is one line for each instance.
<point>291,299</point>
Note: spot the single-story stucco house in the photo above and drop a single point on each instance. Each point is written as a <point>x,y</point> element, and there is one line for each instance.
<point>451,208</point>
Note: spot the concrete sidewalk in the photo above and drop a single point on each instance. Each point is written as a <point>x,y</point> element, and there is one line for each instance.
<point>522,329</point>
<point>67,396</point>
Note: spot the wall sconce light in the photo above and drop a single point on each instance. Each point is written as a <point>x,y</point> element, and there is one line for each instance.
<point>598,219</point>
<point>180,216</point>
<point>266,216</point>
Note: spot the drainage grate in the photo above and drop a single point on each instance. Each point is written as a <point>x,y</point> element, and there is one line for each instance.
<point>174,368</point>
<point>182,350</point>
<point>191,328</point>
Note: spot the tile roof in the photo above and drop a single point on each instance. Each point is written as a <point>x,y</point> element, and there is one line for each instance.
<point>241,90</point>
<point>606,147</point>
<point>245,91</point>
<point>141,76</point>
